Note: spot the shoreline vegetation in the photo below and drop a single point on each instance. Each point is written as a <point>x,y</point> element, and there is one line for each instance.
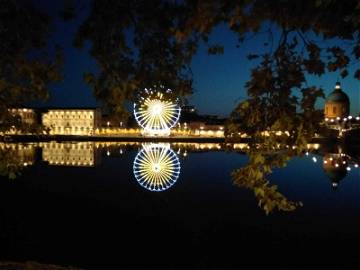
<point>30,265</point>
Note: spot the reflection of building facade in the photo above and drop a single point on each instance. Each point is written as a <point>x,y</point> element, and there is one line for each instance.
<point>82,154</point>
<point>19,154</point>
<point>337,104</point>
<point>335,166</point>
<point>72,121</point>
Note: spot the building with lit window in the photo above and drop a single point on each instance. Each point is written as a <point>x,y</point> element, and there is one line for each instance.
<point>71,121</point>
<point>337,105</point>
<point>27,115</point>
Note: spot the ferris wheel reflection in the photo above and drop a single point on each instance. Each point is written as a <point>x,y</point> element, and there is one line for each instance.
<point>156,167</point>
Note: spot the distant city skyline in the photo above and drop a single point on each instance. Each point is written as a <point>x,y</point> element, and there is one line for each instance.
<point>219,80</point>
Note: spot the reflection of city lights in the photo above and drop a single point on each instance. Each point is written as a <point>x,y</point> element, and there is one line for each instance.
<point>156,167</point>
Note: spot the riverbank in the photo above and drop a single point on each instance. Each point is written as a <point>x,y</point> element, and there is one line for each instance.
<point>138,138</point>
<point>132,138</point>
<point>32,266</point>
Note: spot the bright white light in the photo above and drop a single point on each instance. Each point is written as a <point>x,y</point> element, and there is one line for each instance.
<point>326,119</point>
<point>332,120</point>
<point>336,165</point>
<point>325,161</point>
<point>348,168</point>
<point>156,109</point>
<point>156,167</point>
<point>338,118</point>
<point>314,159</point>
<point>345,119</point>
<point>357,118</point>
<point>350,117</point>
<point>356,165</point>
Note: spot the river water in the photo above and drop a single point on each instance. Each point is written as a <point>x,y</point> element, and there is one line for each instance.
<point>106,206</point>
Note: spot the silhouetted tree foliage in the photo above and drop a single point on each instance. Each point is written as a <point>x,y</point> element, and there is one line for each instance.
<point>135,45</point>
<point>139,43</point>
<point>25,68</point>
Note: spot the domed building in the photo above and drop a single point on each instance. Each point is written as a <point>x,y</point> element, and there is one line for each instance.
<point>337,104</point>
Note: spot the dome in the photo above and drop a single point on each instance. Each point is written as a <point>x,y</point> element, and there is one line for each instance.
<point>338,95</point>
<point>336,175</point>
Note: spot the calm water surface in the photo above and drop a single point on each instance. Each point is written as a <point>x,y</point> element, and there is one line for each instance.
<point>80,204</point>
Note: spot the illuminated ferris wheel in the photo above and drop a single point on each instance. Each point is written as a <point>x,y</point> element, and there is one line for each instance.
<point>156,114</point>
<point>156,167</point>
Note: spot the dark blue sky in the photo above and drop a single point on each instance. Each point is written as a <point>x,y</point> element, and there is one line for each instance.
<point>218,80</point>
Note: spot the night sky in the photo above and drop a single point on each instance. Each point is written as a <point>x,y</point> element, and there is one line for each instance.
<point>218,80</point>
